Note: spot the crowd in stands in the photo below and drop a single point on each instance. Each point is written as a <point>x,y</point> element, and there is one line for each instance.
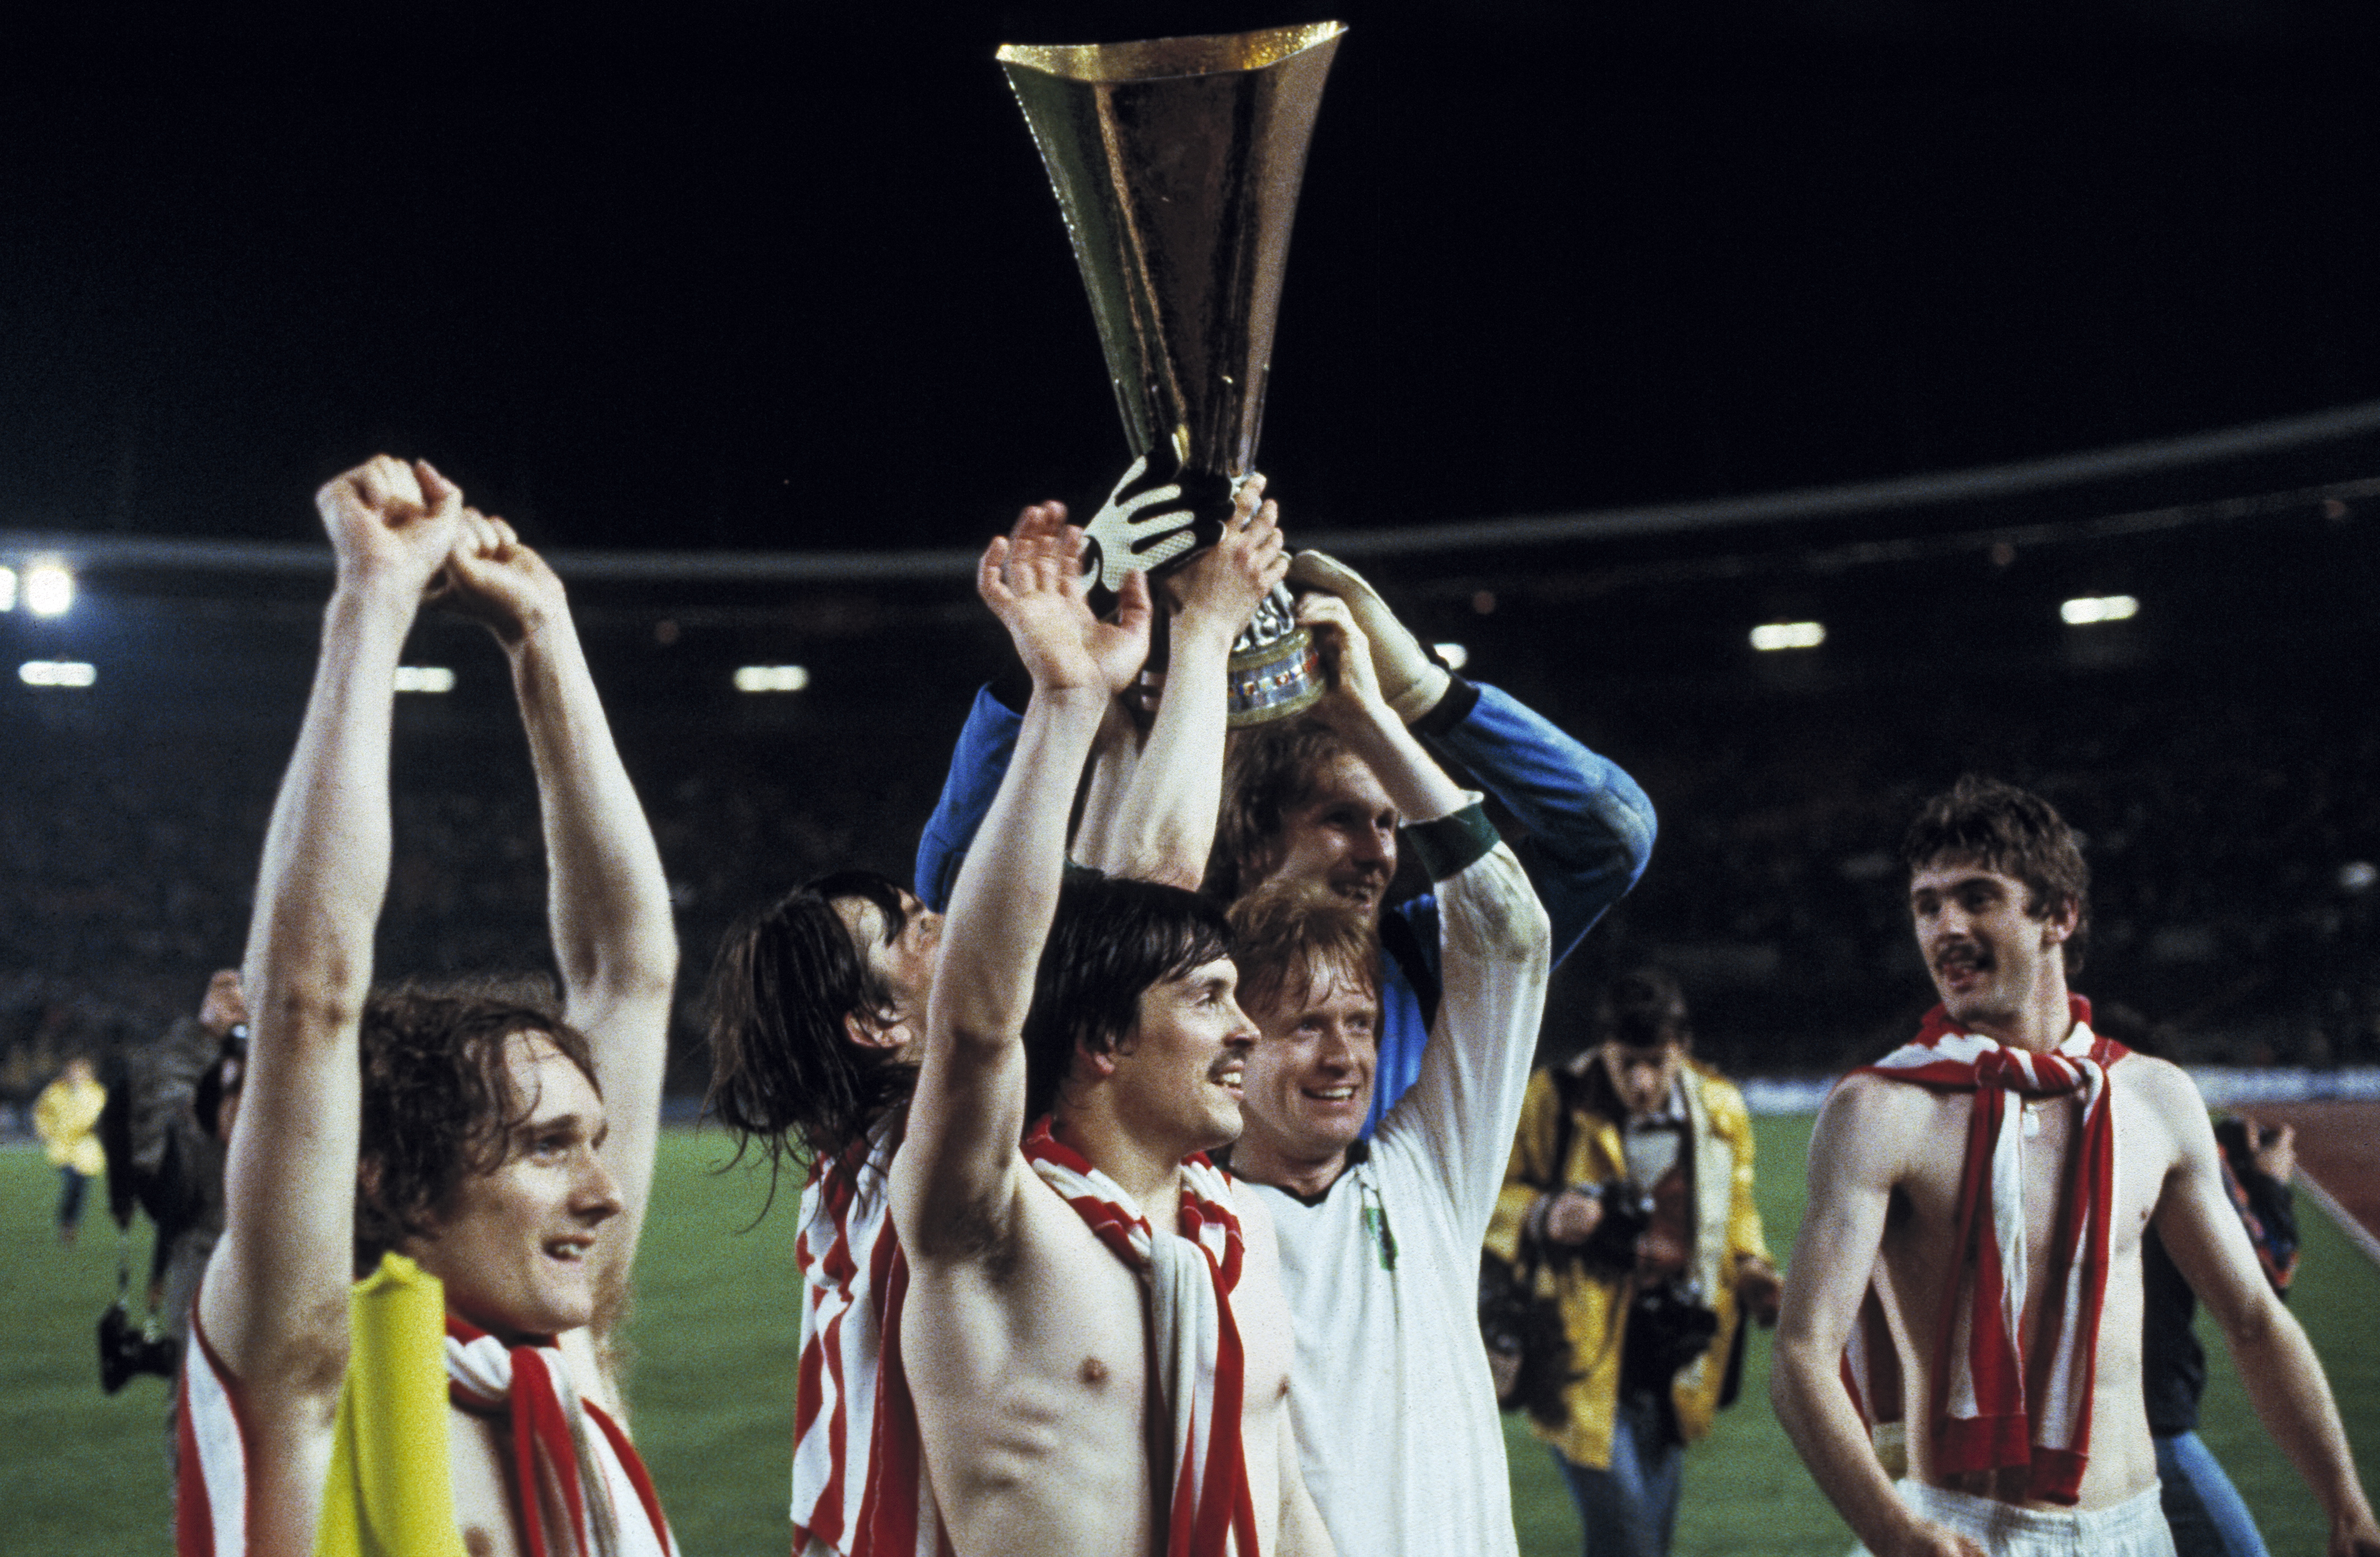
<point>2223,821</point>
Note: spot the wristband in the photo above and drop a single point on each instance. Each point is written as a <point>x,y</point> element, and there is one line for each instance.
<point>1452,844</point>
<point>1460,699</point>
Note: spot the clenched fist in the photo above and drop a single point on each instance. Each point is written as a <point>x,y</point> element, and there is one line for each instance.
<point>391,523</point>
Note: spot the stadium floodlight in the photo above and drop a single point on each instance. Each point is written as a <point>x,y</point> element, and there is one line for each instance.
<point>772,679</point>
<point>1769,636</point>
<point>49,588</point>
<point>56,673</point>
<point>8,588</point>
<point>1454,654</point>
<point>2083,610</point>
<point>424,678</point>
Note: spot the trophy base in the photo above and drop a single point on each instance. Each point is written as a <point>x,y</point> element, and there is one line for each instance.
<point>1274,680</point>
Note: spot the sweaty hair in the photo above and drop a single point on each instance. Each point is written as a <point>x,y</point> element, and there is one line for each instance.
<point>1112,939</point>
<point>439,1103</point>
<point>1642,1007</point>
<point>1269,769</point>
<point>2006,829</point>
<point>1286,934</point>
<point>783,1071</point>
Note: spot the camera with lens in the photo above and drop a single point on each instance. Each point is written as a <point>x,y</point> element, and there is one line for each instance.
<point>1670,1323</point>
<point>1627,1217</point>
<point>1669,1327</point>
<point>126,1350</point>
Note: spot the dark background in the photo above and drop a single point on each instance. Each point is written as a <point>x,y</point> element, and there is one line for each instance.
<point>769,281</point>
<point>777,277</point>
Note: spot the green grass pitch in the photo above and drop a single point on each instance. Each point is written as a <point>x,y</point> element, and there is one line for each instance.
<point>713,1369</point>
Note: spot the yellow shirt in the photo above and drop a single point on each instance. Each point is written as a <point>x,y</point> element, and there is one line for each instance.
<point>65,1117</point>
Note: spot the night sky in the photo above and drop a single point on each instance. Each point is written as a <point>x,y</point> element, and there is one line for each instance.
<point>752,279</point>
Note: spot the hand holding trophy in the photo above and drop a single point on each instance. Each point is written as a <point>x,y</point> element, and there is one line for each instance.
<point>1154,518</point>
<point>1177,162</point>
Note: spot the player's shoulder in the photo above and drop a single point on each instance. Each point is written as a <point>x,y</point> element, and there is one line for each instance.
<point>1868,1105</point>
<point>2157,1100</point>
<point>2159,1083</point>
<point>1882,1131</point>
<point>1260,1243</point>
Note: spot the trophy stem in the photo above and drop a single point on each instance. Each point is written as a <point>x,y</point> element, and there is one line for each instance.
<point>1275,671</point>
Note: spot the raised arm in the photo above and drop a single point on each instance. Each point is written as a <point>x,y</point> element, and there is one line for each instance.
<point>1590,826</point>
<point>608,901</point>
<point>1354,707</point>
<point>2201,1230</point>
<point>1496,956</point>
<point>1856,1158</point>
<point>274,1301</point>
<point>1164,823</point>
<point>957,1176</point>
<point>986,744</point>
<point>1494,951</point>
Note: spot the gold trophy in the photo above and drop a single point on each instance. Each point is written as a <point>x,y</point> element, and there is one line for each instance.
<point>1177,162</point>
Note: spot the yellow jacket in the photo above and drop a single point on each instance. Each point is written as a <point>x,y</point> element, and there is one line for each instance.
<point>1727,1228</point>
<point>64,1116</point>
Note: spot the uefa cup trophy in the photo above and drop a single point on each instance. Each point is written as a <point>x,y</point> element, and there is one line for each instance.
<point>1177,162</point>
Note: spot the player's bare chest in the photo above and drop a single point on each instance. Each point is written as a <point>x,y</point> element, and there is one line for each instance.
<point>485,1497</point>
<point>1955,1177</point>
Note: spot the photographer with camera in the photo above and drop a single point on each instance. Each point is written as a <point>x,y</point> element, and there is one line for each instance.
<point>1628,1204</point>
<point>169,1110</point>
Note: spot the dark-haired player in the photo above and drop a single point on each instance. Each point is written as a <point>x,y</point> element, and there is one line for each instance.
<point>462,1397</point>
<point>1977,1200</point>
<point>1102,1309</point>
<point>817,1007</point>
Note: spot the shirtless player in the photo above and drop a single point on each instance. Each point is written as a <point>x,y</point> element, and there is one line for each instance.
<point>505,1154</point>
<point>1101,1367</point>
<point>2054,1446</point>
<point>819,1015</point>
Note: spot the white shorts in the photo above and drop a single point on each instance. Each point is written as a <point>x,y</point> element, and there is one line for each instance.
<point>2135,1528</point>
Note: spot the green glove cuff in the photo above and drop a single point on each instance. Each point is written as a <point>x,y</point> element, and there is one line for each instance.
<point>1452,844</point>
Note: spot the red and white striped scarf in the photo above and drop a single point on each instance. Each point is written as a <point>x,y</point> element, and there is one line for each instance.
<point>583,1493</point>
<point>1982,1422</point>
<point>860,1482</point>
<point>1197,1341</point>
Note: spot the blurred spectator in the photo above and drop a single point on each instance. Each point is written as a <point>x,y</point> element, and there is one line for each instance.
<point>170,1159</point>
<point>66,1118</point>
